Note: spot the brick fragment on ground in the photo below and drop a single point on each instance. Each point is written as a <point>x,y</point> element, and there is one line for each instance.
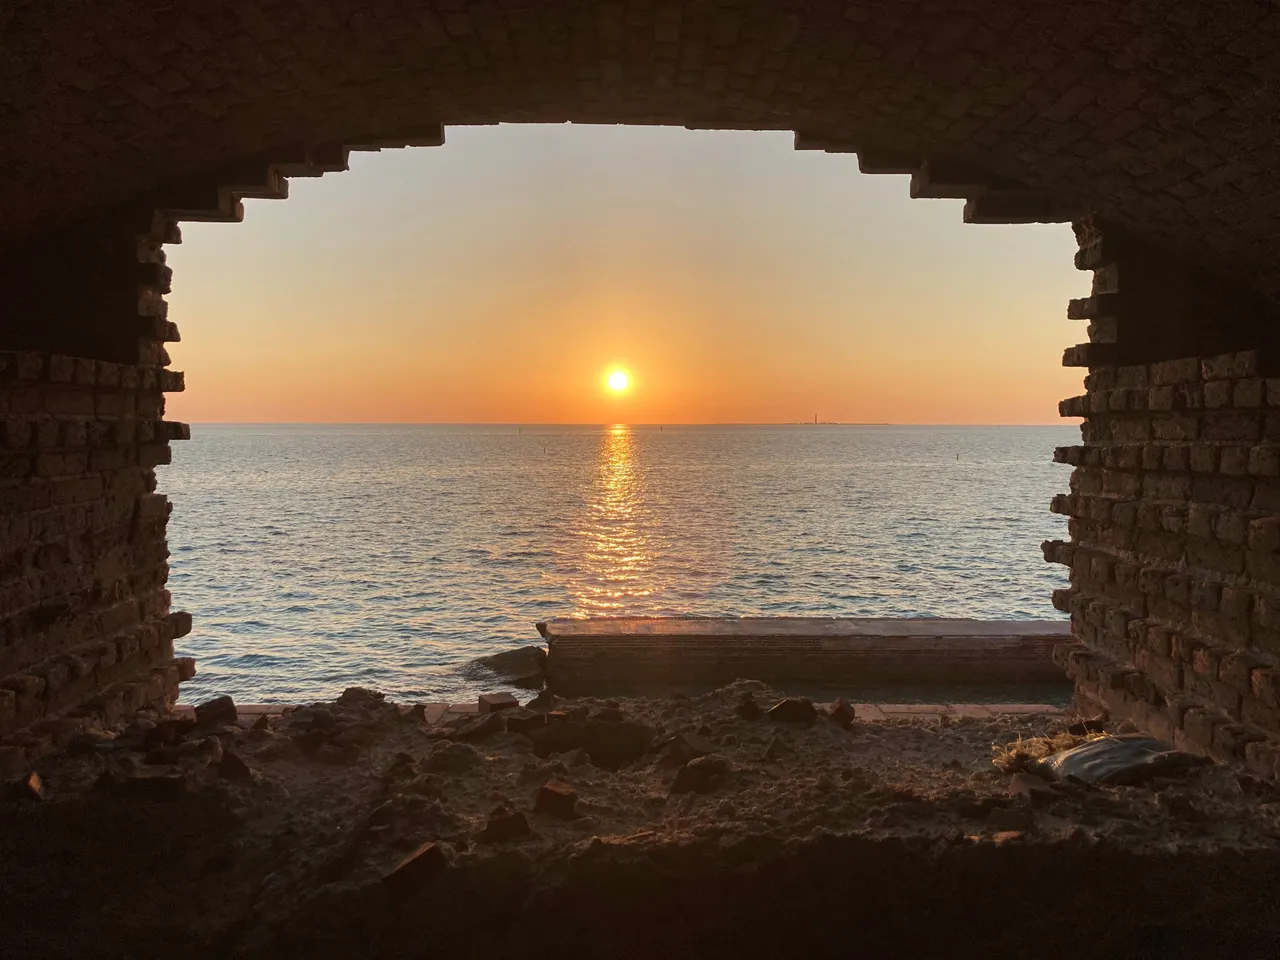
<point>557,799</point>
<point>842,713</point>
<point>30,787</point>
<point>493,702</point>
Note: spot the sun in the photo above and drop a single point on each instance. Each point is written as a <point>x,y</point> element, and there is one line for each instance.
<point>618,381</point>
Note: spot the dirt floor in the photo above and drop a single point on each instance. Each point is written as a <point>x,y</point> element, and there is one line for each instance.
<point>699,826</point>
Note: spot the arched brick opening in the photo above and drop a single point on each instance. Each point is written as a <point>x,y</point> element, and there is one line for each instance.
<point>1149,124</point>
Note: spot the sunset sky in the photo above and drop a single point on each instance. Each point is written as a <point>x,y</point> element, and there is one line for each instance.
<point>504,276</point>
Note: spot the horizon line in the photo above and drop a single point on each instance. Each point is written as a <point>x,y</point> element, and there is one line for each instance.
<point>615,423</point>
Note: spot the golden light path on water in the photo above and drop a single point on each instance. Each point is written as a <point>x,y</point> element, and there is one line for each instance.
<point>620,535</point>
<point>391,556</point>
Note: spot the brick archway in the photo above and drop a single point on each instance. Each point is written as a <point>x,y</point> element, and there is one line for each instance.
<point>1150,122</point>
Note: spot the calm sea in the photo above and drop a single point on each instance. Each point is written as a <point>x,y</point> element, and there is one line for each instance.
<point>318,557</point>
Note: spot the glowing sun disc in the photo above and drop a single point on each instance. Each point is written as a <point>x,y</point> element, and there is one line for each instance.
<point>619,381</point>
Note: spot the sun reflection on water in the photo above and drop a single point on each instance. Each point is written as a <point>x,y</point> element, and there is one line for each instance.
<point>618,551</point>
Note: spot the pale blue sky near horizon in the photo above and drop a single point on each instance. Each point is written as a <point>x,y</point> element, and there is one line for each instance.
<point>498,278</point>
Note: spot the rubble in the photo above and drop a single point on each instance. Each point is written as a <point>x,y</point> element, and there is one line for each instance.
<point>794,710</point>
<point>416,870</point>
<point>493,702</point>
<point>505,825</point>
<point>273,832</point>
<point>701,775</point>
<point>556,798</point>
<point>216,711</point>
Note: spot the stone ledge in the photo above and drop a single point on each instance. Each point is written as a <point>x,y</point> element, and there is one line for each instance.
<point>435,712</point>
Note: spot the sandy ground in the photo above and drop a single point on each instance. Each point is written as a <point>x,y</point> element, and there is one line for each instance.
<point>254,825</point>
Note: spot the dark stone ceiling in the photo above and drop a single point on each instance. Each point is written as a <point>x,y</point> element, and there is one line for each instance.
<point>1163,115</point>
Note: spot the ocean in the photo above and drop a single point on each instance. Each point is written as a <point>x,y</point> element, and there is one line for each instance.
<point>317,557</point>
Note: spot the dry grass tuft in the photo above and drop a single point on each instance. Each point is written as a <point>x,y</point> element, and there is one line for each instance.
<point>1022,754</point>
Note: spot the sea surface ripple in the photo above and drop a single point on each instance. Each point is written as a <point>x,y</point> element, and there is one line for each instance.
<point>317,557</point>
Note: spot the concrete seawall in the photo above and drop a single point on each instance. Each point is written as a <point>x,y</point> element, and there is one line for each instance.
<point>656,651</point>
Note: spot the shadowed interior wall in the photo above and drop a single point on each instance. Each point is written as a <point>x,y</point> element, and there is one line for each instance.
<point>1158,115</point>
<point>1174,507</point>
<point>86,633</point>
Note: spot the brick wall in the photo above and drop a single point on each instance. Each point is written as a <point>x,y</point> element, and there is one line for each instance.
<point>86,633</point>
<point>1174,510</point>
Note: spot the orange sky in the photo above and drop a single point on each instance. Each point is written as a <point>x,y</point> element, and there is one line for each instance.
<point>499,278</point>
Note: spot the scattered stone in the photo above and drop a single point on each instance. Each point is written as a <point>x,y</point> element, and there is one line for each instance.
<point>162,756</point>
<point>505,825</point>
<point>138,729</point>
<point>424,785</point>
<point>361,734</point>
<point>317,716</point>
<point>262,723</point>
<point>702,775</point>
<point>233,767</point>
<point>169,731</point>
<point>30,787</point>
<point>208,748</point>
<point>678,750</point>
<point>480,728</point>
<point>416,870</point>
<point>608,714</point>
<point>523,721</point>
<point>493,702</point>
<point>402,765</point>
<point>778,749</point>
<point>1255,787</point>
<point>339,754</point>
<point>747,708</point>
<point>382,814</point>
<point>794,710</point>
<point>842,713</point>
<point>579,712</point>
<point>554,716</point>
<point>543,702</point>
<point>609,744</point>
<point>360,695</point>
<point>557,799</point>
<point>217,711</point>
<point>575,758</point>
<point>523,667</point>
<point>1008,836</point>
<point>308,741</point>
<point>450,757</point>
